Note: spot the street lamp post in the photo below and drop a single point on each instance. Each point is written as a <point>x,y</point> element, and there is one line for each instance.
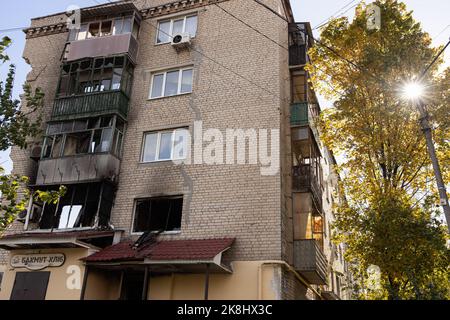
<point>426,128</point>
<point>414,92</point>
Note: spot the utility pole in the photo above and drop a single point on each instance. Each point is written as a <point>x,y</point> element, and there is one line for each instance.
<point>426,128</point>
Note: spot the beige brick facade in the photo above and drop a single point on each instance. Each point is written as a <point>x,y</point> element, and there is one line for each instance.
<point>219,200</point>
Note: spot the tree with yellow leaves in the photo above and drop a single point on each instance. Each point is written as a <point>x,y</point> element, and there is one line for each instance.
<point>390,217</point>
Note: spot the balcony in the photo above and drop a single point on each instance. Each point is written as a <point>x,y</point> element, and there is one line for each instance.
<point>90,105</point>
<point>310,261</point>
<point>102,47</point>
<point>300,40</point>
<point>303,113</point>
<point>305,180</point>
<point>80,168</point>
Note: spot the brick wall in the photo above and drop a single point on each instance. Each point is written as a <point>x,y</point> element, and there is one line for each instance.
<point>226,200</point>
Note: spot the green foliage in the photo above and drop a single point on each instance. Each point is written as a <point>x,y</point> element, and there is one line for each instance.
<point>4,43</point>
<point>388,182</point>
<point>10,205</point>
<point>407,244</point>
<point>17,126</point>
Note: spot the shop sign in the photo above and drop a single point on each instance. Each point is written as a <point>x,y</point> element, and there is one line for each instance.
<point>38,261</point>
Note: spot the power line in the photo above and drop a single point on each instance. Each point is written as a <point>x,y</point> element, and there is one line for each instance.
<point>424,72</point>
<point>323,22</point>
<point>329,48</point>
<point>256,30</point>
<point>217,62</point>
<point>271,10</point>
<point>12,29</point>
<point>318,27</point>
<point>283,47</point>
<point>441,32</point>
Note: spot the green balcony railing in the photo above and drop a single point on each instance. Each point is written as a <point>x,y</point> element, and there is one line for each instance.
<point>90,105</point>
<point>302,113</point>
<point>299,114</point>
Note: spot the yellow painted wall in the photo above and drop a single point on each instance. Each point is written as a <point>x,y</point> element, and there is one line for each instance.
<point>250,280</point>
<point>243,284</point>
<point>102,285</point>
<point>57,286</point>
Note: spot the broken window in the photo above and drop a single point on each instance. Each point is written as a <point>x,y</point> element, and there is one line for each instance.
<point>158,214</point>
<point>96,75</point>
<point>82,206</point>
<point>77,137</point>
<point>77,143</point>
<point>94,30</point>
<point>106,28</point>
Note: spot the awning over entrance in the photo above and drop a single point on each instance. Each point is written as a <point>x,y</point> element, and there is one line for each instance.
<point>176,256</point>
<point>70,239</point>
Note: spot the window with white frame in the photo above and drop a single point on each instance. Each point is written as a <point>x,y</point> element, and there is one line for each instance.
<point>171,83</point>
<point>165,145</point>
<point>168,28</point>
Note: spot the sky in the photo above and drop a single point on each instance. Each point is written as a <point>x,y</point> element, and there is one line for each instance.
<point>433,14</point>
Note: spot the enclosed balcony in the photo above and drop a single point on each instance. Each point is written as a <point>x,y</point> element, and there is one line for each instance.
<point>300,40</point>
<point>305,179</point>
<point>104,31</point>
<point>308,223</point>
<point>93,87</point>
<point>310,261</point>
<point>84,150</point>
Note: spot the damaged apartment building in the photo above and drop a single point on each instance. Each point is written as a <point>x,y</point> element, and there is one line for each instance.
<point>122,93</point>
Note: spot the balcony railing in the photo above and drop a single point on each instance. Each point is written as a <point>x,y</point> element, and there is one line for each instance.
<point>90,105</point>
<point>310,261</point>
<point>298,44</point>
<point>305,180</point>
<point>102,47</point>
<point>303,113</point>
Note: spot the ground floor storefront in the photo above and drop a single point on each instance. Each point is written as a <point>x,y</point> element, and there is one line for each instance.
<point>163,270</point>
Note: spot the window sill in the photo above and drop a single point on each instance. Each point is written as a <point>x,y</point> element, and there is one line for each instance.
<point>172,96</point>
<point>166,233</point>
<point>59,231</point>
<point>169,42</point>
<point>81,155</point>
<point>162,162</point>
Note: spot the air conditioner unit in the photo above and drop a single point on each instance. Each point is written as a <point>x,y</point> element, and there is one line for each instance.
<point>35,152</point>
<point>181,40</point>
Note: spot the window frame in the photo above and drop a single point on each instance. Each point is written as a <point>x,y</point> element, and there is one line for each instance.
<point>71,86</point>
<point>171,20</point>
<point>115,148</point>
<point>158,145</point>
<point>135,203</point>
<point>179,84</point>
<point>112,30</point>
